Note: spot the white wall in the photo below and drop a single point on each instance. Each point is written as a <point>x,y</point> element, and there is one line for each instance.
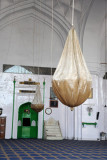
<point>29,42</point>
<point>6,96</point>
<point>70,121</point>
<point>94,37</point>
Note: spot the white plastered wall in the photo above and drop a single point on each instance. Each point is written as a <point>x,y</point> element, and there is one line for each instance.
<point>70,121</point>
<point>6,96</point>
<point>29,42</point>
<point>93,48</point>
<point>16,47</point>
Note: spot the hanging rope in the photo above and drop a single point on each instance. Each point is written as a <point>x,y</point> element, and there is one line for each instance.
<point>82,15</point>
<point>105,35</point>
<point>39,53</point>
<point>10,38</point>
<point>105,54</point>
<point>52,38</point>
<point>72,12</point>
<point>105,72</point>
<point>33,44</point>
<point>37,104</point>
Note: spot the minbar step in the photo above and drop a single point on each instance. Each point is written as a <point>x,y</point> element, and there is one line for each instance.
<point>54,138</point>
<point>53,134</point>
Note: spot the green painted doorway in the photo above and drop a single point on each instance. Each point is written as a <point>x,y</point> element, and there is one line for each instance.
<point>27,122</point>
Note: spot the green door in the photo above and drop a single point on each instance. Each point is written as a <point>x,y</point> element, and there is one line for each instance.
<point>27,122</point>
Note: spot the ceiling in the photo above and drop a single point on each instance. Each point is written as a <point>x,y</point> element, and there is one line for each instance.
<point>61,10</point>
<point>89,21</point>
<point>61,7</point>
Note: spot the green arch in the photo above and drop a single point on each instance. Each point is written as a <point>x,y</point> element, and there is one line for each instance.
<point>27,122</point>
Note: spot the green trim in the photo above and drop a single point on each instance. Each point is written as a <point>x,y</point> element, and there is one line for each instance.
<point>89,114</point>
<point>13,106</point>
<point>83,123</point>
<point>43,109</point>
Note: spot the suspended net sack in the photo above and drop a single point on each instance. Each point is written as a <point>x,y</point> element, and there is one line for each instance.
<point>72,80</point>
<point>37,104</point>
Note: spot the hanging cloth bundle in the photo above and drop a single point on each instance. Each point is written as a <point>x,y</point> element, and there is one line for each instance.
<point>37,104</point>
<point>72,80</point>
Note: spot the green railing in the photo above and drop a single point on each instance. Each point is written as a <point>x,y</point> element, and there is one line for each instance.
<point>86,123</point>
<point>43,109</point>
<point>13,106</point>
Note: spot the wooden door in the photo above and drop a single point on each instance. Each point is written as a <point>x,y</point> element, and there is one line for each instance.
<point>2,127</point>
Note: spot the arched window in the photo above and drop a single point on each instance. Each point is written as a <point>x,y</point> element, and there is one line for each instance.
<point>28,69</point>
<point>17,69</point>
